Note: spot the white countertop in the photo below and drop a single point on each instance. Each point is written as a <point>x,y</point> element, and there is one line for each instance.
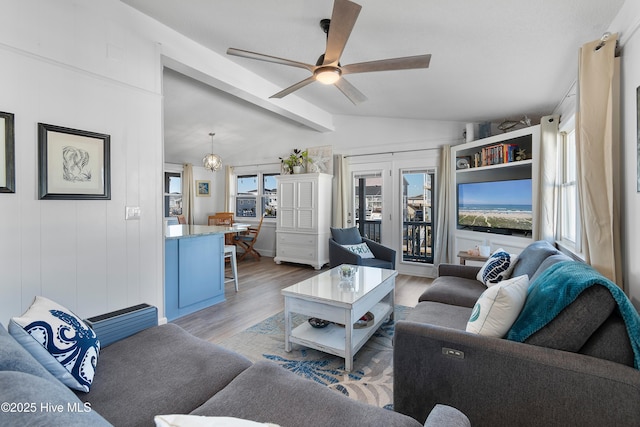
<point>186,231</point>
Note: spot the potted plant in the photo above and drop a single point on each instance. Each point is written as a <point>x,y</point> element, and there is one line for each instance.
<point>296,161</point>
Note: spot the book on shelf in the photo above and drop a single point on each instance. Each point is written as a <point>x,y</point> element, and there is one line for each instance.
<point>496,154</point>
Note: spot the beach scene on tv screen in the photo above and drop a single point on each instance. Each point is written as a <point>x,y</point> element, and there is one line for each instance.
<point>498,204</point>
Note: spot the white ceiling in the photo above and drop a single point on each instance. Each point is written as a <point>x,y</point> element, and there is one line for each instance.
<point>491,59</point>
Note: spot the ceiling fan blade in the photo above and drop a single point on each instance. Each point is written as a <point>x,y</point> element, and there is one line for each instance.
<point>350,91</point>
<point>405,63</point>
<point>294,87</point>
<point>269,58</point>
<point>343,18</point>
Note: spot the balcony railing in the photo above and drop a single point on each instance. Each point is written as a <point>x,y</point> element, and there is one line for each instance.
<point>417,239</point>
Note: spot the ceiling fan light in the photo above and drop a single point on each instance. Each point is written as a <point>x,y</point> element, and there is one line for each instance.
<point>327,75</point>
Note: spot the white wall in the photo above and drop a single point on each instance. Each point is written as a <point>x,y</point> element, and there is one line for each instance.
<point>73,64</point>
<point>627,23</point>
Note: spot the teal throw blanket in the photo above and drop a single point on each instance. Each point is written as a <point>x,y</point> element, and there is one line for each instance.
<point>556,288</point>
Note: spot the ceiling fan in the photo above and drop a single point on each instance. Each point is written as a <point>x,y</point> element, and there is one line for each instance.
<point>328,69</point>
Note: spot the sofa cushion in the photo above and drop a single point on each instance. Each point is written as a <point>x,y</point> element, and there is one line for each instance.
<point>497,268</point>
<point>573,326</point>
<point>548,262</point>
<point>610,341</point>
<point>267,392</point>
<point>346,236</point>
<point>161,370</point>
<point>498,307</point>
<point>14,357</point>
<point>439,314</point>
<point>375,262</point>
<point>60,341</point>
<point>532,256</point>
<point>40,402</point>
<point>454,290</point>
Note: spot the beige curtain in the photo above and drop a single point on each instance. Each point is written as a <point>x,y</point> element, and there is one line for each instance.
<point>227,188</point>
<point>443,246</point>
<point>188,193</point>
<point>547,212</point>
<point>598,161</point>
<point>341,192</point>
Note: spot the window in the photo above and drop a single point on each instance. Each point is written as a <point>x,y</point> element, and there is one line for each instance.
<point>569,225</point>
<point>172,194</point>
<point>417,215</point>
<point>246,196</point>
<point>248,192</point>
<point>269,195</point>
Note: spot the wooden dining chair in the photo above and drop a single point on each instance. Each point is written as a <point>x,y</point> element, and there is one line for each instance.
<point>221,218</point>
<point>247,239</point>
<point>226,219</point>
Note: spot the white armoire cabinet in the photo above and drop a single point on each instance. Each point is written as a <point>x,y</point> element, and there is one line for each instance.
<point>303,219</point>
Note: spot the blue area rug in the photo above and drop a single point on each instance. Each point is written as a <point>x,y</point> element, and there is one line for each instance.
<point>370,381</point>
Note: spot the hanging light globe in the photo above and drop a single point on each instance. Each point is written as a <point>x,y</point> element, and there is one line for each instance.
<point>212,161</point>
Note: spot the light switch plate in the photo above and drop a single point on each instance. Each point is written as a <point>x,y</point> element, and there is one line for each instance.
<point>132,212</point>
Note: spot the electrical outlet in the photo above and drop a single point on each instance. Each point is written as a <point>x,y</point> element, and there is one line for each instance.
<point>132,212</point>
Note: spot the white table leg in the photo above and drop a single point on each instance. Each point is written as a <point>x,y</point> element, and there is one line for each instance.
<point>287,325</point>
<point>348,346</point>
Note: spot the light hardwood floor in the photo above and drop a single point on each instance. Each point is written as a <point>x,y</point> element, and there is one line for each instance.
<point>259,297</point>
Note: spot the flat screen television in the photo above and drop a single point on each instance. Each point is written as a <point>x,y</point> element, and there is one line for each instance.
<point>502,207</point>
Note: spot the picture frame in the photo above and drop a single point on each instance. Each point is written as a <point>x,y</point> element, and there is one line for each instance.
<point>73,164</point>
<point>7,153</point>
<point>203,188</point>
<point>320,159</point>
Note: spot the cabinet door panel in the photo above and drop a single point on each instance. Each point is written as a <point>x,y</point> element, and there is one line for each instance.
<point>306,194</point>
<point>286,195</point>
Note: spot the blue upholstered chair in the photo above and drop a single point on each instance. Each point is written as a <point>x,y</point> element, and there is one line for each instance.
<point>383,257</point>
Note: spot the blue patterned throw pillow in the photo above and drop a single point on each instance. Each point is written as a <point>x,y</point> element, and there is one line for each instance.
<point>60,341</point>
<point>360,249</point>
<point>497,268</point>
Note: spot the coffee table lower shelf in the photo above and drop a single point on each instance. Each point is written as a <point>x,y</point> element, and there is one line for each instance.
<point>332,338</point>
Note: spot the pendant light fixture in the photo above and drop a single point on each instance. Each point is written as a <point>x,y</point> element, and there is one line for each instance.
<point>212,161</point>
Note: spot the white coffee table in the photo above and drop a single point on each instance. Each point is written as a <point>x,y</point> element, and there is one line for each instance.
<point>326,297</point>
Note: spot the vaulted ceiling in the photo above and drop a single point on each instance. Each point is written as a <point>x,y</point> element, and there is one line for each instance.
<point>491,59</point>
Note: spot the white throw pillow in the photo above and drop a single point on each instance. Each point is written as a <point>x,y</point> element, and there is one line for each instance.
<point>360,249</point>
<point>60,341</point>
<point>498,307</point>
<point>497,268</point>
<point>179,420</point>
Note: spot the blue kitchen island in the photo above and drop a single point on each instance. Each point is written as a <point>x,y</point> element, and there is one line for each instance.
<point>194,268</point>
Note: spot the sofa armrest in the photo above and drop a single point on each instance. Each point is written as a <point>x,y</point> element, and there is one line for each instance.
<point>500,382</point>
<point>465,271</point>
<point>381,252</point>
<point>339,255</point>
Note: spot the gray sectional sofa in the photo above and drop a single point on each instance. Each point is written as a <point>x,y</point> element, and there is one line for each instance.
<point>577,370</point>
<point>165,370</point>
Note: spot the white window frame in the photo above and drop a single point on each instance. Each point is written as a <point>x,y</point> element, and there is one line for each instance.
<point>566,182</point>
<point>258,197</point>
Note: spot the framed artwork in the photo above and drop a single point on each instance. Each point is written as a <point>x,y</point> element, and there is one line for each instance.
<point>7,154</point>
<point>73,164</point>
<point>203,188</point>
<point>320,159</point>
